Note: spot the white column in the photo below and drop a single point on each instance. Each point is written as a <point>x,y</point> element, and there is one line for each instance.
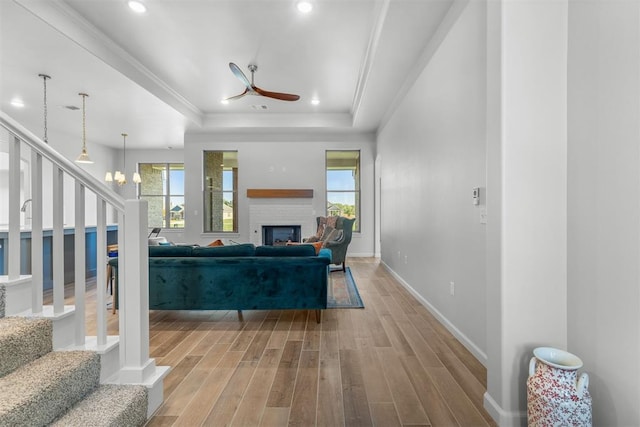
<point>528,301</point>
<point>13,259</point>
<point>134,294</point>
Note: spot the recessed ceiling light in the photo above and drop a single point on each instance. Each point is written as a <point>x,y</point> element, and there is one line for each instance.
<point>315,101</point>
<point>17,102</point>
<point>304,6</point>
<point>224,101</point>
<point>137,6</point>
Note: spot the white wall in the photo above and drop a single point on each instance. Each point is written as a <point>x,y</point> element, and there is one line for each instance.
<point>604,204</point>
<point>432,154</point>
<point>268,161</point>
<point>528,305</point>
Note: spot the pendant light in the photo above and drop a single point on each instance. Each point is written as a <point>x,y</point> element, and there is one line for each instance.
<point>120,177</point>
<point>84,156</point>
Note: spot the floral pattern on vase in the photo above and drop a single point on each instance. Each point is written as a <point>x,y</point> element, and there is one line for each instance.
<point>555,394</point>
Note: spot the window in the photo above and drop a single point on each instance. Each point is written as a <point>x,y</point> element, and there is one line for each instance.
<point>163,188</point>
<point>343,185</point>
<point>220,191</point>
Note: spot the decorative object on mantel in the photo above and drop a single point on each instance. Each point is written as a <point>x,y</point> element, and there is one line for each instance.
<point>282,193</point>
<point>84,156</point>
<point>555,395</point>
<point>121,177</point>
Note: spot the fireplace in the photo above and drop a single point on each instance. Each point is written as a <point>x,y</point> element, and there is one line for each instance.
<point>276,235</point>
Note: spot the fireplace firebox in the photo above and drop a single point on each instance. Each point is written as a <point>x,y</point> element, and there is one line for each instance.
<point>277,235</point>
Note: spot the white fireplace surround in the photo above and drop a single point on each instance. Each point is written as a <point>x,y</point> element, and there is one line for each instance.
<point>281,212</point>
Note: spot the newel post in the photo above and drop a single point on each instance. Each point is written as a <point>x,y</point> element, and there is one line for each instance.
<point>133,258</point>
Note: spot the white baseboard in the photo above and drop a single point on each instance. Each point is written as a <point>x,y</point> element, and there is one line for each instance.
<point>360,255</point>
<point>470,345</point>
<point>502,417</point>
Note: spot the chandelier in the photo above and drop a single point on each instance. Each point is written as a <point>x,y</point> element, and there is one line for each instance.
<point>120,177</point>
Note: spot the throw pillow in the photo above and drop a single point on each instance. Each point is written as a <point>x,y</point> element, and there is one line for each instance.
<point>216,243</point>
<point>317,246</point>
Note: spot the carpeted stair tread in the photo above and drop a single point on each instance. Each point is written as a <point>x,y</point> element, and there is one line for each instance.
<point>37,393</point>
<point>109,406</point>
<point>23,340</point>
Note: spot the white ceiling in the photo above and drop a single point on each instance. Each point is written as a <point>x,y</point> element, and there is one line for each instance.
<point>164,72</point>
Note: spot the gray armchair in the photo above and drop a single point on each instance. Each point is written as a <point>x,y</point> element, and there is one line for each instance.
<point>339,247</point>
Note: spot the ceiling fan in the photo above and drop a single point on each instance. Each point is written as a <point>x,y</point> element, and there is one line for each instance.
<point>252,89</point>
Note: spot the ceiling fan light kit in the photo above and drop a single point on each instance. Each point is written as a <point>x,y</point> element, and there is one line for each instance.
<point>252,89</point>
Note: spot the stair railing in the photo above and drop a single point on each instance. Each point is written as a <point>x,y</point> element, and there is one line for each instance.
<point>135,364</point>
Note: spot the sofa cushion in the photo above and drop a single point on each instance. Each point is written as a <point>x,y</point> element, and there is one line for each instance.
<point>170,251</point>
<point>285,251</point>
<point>243,249</point>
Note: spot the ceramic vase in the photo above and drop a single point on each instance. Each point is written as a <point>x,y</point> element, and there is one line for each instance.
<point>556,396</point>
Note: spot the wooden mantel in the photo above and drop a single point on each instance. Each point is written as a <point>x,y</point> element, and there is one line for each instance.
<point>275,193</point>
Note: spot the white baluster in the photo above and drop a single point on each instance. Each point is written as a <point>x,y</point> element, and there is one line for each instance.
<point>101,271</point>
<point>37,278</point>
<point>57,250</point>
<point>80,263</point>
<point>13,259</point>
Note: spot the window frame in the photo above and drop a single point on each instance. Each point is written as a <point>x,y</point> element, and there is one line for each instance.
<point>234,193</point>
<point>357,191</point>
<point>166,196</point>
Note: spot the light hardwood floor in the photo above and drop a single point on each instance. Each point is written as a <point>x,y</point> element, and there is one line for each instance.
<point>390,364</point>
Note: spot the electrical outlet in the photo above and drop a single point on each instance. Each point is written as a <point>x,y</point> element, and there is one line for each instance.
<point>452,288</point>
<point>398,254</point>
<point>406,259</point>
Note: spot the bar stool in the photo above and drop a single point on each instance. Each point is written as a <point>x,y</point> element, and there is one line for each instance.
<point>112,252</point>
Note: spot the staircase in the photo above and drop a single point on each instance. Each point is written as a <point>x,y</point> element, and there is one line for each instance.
<point>39,386</point>
<point>51,372</point>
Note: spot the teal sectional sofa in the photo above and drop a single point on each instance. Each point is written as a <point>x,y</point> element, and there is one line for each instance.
<point>237,277</point>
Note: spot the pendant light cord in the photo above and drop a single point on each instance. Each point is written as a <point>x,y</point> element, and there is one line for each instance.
<point>84,126</point>
<point>44,80</point>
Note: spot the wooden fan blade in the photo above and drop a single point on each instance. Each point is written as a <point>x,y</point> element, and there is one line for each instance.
<point>240,75</point>
<point>231,98</point>
<point>276,95</point>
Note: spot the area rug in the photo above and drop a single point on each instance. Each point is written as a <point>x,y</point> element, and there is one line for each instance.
<point>342,291</point>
